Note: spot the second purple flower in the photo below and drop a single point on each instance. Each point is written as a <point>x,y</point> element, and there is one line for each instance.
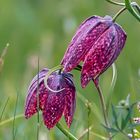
<point>97,42</point>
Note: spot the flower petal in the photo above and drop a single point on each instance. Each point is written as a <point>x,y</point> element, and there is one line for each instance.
<point>59,103</point>
<point>99,56</point>
<point>55,103</point>
<point>88,32</point>
<point>35,82</point>
<point>70,103</point>
<point>121,39</point>
<point>53,109</point>
<point>31,99</point>
<point>70,98</point>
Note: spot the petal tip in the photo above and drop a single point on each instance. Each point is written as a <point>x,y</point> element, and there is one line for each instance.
<point>84,80</point>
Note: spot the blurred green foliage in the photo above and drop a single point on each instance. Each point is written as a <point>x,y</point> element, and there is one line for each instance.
<point>44,28</point>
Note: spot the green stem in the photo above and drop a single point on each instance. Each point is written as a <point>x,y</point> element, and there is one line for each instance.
<point>79,68</point>
<point>11,119</point>
<point>136,6</point>
<point>6,103</point>
<point>116,3</point>
<point>66,132</point>
<point>93,133</point>
<point>123,133</point>
<point>88,112</point>
<point>93,106</point>
<point>59,126</point>
<point>129,6</point>
<point>14,131</point>
<point>131,10</point>
<point>121,11</point>
<point>103,105</point>
<point>85,132</point>
<point>98,135</point>
<point>113,82</point>
<point>133,4</point>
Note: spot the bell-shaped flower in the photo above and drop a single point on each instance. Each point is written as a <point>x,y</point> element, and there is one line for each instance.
<point>97,42</point>
<point>54,100</point>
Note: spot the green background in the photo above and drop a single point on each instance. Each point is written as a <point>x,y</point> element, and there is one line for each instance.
<point>44,28</point>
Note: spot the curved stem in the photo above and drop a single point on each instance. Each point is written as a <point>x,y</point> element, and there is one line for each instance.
<point>131,10</point>
<point>113,82</point>
<point>134,4</point>
<point>121,11</point>
<point>59,67</point>
<point>59,126</point>
<point>79,68</point>
<point>129,6</point>
<point>102,104</point>
<point>116,3</point>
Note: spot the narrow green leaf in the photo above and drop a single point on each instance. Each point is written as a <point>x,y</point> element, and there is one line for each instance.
<point>3,109</point>
<point>14,129</point>
<point>98,135</point>
<point>110,130</point>
<point>115,116</point>
<point>128,117</point>
<point>122,124</point>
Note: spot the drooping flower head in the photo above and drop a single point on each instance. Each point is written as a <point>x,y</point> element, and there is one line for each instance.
<point>54,103</point>
<point>97,42</point>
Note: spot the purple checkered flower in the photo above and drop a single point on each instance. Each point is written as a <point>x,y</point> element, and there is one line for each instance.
<point>54,103</point>
<point>97,42</point>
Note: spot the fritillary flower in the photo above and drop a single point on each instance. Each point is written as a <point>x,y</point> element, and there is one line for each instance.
<point>97,42</point>
<point>54,102</point>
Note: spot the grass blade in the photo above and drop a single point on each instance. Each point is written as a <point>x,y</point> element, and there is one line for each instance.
<point>13,130</point>
<point>11,119</point>
<point>2,112</point>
